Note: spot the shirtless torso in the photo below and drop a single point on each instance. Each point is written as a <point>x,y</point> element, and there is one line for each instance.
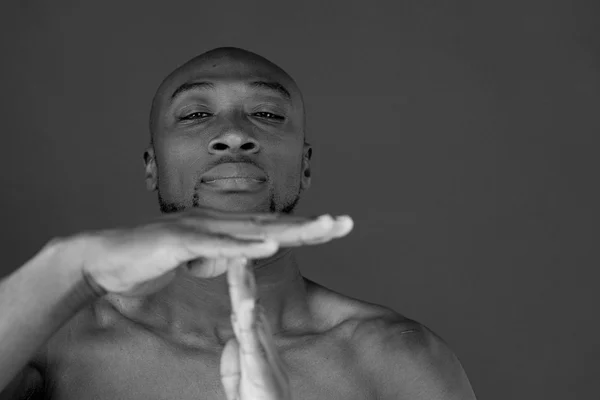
<point>101,354</point>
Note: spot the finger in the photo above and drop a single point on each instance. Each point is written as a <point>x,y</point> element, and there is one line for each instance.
<point>341,227</point>
<point>230,369</point>
<point>264,218</point>
<point>286,230</point>
<point>197,245</point>
<point>242,292</point>
<point>257,227</point>
<point>242,288</point>
<point>253,360</point>
<point>248,340</point>
<point>227,215</point>
<point>298,235</point>
<point>201,213</point>
<point>241,283</point>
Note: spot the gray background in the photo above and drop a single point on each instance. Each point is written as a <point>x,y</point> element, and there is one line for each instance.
<point>458,135</point>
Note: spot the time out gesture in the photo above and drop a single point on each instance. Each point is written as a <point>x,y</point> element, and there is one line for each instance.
<point>207,243</point>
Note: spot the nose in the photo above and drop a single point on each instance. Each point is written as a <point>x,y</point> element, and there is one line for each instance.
<point>233,142</point>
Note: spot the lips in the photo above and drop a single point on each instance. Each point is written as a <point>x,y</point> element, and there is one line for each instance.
<point>234,171</point>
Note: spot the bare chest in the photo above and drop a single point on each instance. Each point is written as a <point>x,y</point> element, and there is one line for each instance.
<point>135,365</point>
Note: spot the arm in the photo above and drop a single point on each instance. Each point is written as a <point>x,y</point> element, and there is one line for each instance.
<point>35,301</point>
<point>409,361</point>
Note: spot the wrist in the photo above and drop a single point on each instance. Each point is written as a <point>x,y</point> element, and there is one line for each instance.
<point>68,255</point>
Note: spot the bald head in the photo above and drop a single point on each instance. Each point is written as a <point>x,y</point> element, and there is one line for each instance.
<point>228,106</point>
<point>225,62</point>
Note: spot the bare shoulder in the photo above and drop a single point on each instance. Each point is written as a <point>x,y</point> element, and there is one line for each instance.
<point>407,359</point>
<point>334,309</point>
<point>403,357</point>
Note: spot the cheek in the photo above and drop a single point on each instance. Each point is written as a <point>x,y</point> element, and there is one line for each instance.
<point>181,151</point>
<point>178,154</point>
<point>287,171</point>
<point>179,162</point>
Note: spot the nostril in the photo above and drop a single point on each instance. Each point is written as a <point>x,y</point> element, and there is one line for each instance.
<point>248,146</point>
<point>233,143</point>
<point>219,146</point>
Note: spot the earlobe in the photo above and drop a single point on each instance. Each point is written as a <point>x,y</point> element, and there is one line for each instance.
<point>307,151</point>
<point>305,181</point>
<point>150,169</point>
<point>306,173</point>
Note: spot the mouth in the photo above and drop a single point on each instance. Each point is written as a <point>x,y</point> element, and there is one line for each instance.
<point>235,177</point>
<point>235,184</point>
<point>234,171</point>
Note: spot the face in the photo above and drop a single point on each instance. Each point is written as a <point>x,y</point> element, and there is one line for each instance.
<point>225,142</point>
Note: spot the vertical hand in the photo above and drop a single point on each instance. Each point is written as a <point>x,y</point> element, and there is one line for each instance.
<point>251,368</point>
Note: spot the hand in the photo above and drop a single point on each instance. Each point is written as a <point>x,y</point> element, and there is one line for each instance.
<point>251,368</point>
<point>143,259</point>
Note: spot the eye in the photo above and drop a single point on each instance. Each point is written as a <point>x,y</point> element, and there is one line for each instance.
<point>269,115</point>
<point>194,115</point>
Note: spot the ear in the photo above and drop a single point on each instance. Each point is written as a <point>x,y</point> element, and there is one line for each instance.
<point>150,168</point>
<point>306,175</point>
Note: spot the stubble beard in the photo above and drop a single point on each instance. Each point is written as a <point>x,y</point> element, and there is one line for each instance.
<point>281,206</point>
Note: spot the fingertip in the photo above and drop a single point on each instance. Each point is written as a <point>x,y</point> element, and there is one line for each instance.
<point>325,221</point>
<point>325,217</point>
<point>346,223</point>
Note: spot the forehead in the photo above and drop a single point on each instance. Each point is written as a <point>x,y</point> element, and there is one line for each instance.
<point>227,71</point>
<point>223,69</point>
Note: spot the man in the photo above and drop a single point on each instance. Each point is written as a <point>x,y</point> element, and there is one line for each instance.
<point>227,134</point>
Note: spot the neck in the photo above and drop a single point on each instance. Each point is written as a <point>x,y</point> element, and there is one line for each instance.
<point>203,306</point>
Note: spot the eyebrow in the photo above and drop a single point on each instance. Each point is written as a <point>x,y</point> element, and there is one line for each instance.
<point>271,86</point>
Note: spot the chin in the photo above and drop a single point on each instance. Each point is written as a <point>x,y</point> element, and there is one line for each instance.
<point>236,204</point>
